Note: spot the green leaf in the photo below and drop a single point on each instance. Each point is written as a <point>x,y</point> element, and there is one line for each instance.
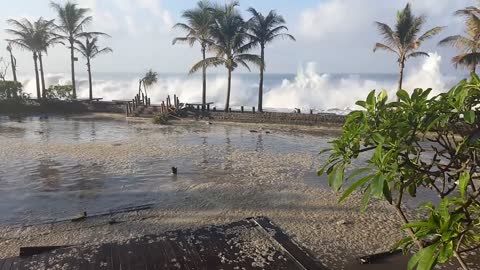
<point>403,95</point>
<point>332,171</point>
<point>354,186</point>
<point>446,253</point>
<point>365,199</point>
<point>357,172</point>
<point>361,103</point>
<point>371,100</point>
<point>338,178</point>
<point>387,193</point>
<point>424,259</point>
<point>463,182</point>
<point>412,190</point>
<point>377,185</point>
<point>382,96</point>
<point>324,151</point>
<point>469,117</point>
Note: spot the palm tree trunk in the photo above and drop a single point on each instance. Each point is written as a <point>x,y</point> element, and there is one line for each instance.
<point>402,67</point>
<point>42,76</point>
<point>474,68</point>
<point>204,74</point>
<point>227,103</point>
<point>36,75</point>
<point>89,79</point>
<point>72,59</point>
<point>14,67</point>
<point>260,86</point>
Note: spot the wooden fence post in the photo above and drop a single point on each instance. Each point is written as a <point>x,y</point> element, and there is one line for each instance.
<point>253,109</point>
<point>241,108</point>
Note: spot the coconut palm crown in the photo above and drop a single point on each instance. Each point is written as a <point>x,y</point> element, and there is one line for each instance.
<point>469,44</point>
<point>72,21</point>
<point>263,30</point>
<point>230,44</point>
<point>197,26</point>
<point>404,39</point>
<point>90,50</point>
<point>35,37</point>
<point>150,78</point>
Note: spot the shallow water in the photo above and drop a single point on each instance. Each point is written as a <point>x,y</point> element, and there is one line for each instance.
<point>48,170</point>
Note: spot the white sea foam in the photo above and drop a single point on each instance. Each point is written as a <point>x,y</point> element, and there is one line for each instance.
<point>308,89</point>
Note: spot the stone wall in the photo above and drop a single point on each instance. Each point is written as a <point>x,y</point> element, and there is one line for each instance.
<point>321,119</point>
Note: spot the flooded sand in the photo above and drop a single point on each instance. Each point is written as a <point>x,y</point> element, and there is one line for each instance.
<point>56,167</point>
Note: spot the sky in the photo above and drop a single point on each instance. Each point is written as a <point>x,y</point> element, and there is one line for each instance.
<point>338,35</point>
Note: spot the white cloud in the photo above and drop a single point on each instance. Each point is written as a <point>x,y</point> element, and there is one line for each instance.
<point>333,18</point>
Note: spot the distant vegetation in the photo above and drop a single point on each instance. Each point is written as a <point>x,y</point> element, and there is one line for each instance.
<point>62,92</point>
<point>39,36</point>
<point>222,31</point>
<point>404,39</point>
<point>469,45</point>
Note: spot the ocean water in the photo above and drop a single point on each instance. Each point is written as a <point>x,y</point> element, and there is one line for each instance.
<point>307,88</point>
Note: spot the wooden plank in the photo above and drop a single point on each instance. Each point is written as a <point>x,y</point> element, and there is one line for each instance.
<point>184,249</point>
<point>305,259</point>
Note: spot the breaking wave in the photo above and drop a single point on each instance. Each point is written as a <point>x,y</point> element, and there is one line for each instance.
<point>308,89</point>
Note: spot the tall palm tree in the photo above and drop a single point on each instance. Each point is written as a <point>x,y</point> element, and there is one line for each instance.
<point>230,44</point>
<point>197,26</point>
<point>150,78</point>
<point>46,38</point>
<point>90,50</point>
<point>13,62</point>
<point>404,39</point>
<point>25,37</point>
<point>263,30</point>
<point>469,45</point>
<point>72,23</point>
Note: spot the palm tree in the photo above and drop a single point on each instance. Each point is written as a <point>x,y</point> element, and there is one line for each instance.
<point>263,30</point>
<point>73,21</point>
<point>13,62</point>
<point>469,45</point>
<point>228,33</point>
<point>46,38</point>
<point>404,39</point>
<point>197,26</point>
<point>25,37</point>
<point>90,50</point>
<point>150,78</point>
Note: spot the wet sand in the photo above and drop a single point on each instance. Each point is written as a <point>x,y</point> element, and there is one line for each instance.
<point>232,181</point>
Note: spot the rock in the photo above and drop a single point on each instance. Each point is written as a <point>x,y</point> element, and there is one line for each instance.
<point>342,222</point>
<point>253,131</point>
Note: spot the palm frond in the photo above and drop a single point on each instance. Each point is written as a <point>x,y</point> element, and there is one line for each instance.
<point>430,33</point>
<point>380,46</point>
<point>388,35</point>
<point>459,42</point>
<point>466,59</point>
<point>252,58</point>
<point>417,54</point>
<point>208,62</point>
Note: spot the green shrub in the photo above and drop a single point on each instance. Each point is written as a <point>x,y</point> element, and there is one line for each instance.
<point>63,92</point>
<point>160,119</point>
<point>418,142</point>
<point>10,90</point>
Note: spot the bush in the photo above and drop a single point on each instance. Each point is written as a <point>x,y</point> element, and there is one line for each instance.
<point>63,92</point>
<point>10,90</point>
<point>418,142</point>
<point>160,119</point>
